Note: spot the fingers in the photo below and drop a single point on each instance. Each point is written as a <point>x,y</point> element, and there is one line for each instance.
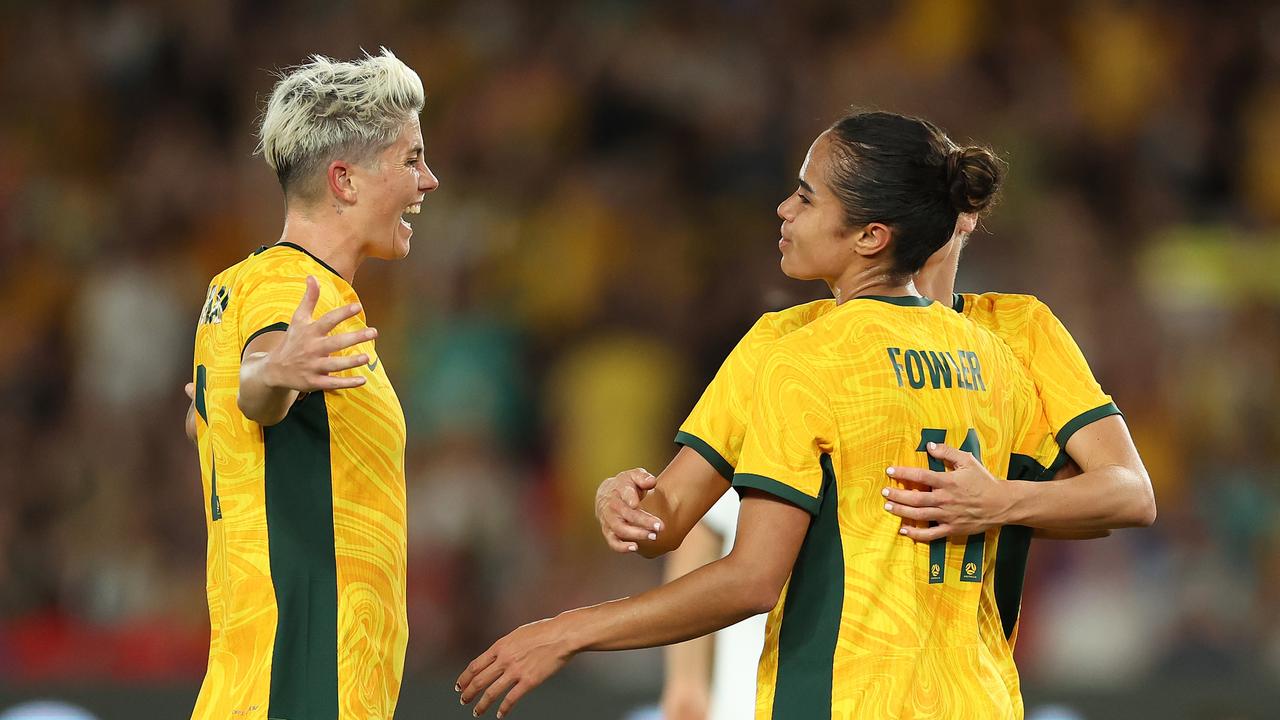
<point>916,475</point>
<point>629,523</point>
<point>339,363</point>
<point>513,697</point>
<point>617,545</point>
<point>946,453</point>
<point>914,513</point>
<point>642,479</point>
<point>914,498</point>
<point>500,686</point>
<point>334,343</point>
<point>308,304</point>
<point>476,666</point>
<point>481,680</point>
<point>190,390</point>
<point>332,382</point>
<point>926,534</point>
<point>333,318</point>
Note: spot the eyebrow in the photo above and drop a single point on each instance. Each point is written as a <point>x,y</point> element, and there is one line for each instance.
<point>808,188</point>
<point>415,150</point>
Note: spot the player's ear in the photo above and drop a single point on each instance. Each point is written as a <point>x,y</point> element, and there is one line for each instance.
<point>340,182</point>
<point>872,238</point>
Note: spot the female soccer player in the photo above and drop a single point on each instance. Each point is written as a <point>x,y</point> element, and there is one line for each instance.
<point>863,620</point>
<point>300,435</point>
<point>1115,492</point>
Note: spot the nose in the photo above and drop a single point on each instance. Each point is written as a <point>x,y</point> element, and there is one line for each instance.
<point>427,180</point>
<point>785,209</point>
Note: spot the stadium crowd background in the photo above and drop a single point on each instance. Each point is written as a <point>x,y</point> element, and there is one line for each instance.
<point>604,232</point>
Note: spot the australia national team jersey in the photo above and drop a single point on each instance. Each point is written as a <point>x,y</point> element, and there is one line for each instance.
<point>306,518</point>
<point>1067,389</point>
<point>718,422</point>
<point>870,622</point>
<point>1071,399</point>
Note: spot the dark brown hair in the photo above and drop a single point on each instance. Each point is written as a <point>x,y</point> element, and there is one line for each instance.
<point>906,173</point>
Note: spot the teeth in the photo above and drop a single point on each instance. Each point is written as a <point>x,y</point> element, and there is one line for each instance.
<point>414,209</point>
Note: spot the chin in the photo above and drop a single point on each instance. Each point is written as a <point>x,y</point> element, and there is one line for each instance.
<point>788,267</point>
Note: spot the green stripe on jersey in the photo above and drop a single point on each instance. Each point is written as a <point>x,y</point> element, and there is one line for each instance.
<point>708,453</point>
<point>299,494</point>
<point>1013,549</point>
<point>811,614</point>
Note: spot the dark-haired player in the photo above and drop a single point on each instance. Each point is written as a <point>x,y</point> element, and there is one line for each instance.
<point>863,622</point>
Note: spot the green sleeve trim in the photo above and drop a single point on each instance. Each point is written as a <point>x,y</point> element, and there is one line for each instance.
<point>273,327</point>
<point>783,491</point>
<point>708,453</point>
<point>1082,420</point>
<point>957,302</point>
<point>1057,464</point>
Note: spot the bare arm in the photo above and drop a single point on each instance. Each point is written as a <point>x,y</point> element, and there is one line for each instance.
<point>686,686</point>
<point>278,366</point>
<point>1113,491</point>
<point>746,582</point>
<point>634,505</point>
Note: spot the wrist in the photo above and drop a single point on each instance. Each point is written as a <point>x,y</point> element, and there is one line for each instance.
<point>572,632</point>
<point>1017,493</point>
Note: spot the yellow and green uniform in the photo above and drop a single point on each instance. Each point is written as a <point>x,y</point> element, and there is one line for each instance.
<point>870,623</point>
<point>1069,394</point>
<point>306,518</point>
<point>716,425</point>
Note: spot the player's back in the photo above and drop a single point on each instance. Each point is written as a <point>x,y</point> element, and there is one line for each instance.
<point>872,624</point>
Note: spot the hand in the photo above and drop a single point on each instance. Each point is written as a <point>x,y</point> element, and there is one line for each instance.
<point>622,522</point>
<point>685,701</point>
<point>190,390</point>
<point>967,500</point>
<point>514,665</point>
<point>305,357</point>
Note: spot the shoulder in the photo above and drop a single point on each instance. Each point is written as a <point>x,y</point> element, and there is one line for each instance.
<point>996,304</point>
<point>773,325</point>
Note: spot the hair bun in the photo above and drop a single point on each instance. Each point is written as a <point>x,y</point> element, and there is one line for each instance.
<point>974,175</point>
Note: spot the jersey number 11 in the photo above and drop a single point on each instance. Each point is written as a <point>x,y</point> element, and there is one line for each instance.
<point>971,568</point>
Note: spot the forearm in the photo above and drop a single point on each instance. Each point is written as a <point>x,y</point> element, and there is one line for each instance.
<point>708,599</point>
<point>684,491</point>
<point>688,664</point>
<point>1105,498</point>
<point>260,399</point>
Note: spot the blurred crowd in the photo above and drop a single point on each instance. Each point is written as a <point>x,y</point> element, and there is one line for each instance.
<point>603,233</point>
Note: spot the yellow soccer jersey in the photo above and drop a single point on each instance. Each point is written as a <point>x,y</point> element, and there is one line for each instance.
<point>870,623</point>
<point>306,518</point>
<point>718,421</point>
<point>1071,399</point>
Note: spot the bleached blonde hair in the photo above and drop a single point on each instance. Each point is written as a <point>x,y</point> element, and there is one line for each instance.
<point>326,110</point>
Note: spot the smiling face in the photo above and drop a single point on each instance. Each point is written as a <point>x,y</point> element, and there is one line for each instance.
<point>816,241</point>
<point>389,189</point>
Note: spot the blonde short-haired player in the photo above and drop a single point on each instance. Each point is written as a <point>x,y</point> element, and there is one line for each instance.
<point>300,435</point>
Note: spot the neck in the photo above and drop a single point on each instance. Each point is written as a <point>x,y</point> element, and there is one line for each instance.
<point>937,279</point>
<point>868,281</point>
<point>330,240</point>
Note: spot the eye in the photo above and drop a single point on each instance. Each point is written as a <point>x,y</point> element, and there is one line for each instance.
<point>802,197</point>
